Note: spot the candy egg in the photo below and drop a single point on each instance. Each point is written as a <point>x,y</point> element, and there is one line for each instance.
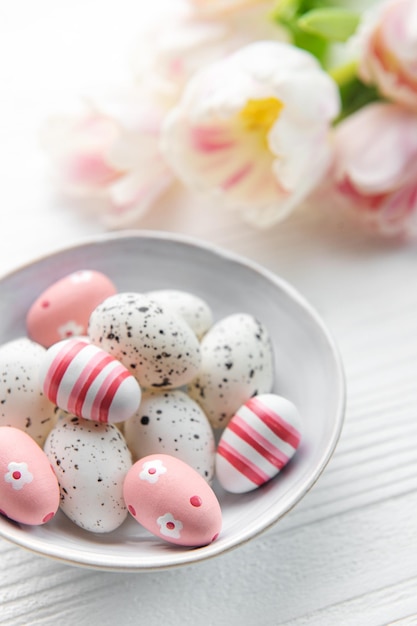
<point>171,500</point>
<point>91,461</point>
<point>236,363</point>
<point>22,403</point>
<point>158,347</point>
<point>172,423</point>
<point>257,443</point>
<point>88,382</point>
<point>191,308</point>
<point>29,491</point>
<point>63,310</point>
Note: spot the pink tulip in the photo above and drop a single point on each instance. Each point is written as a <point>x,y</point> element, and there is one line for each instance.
<point>388,51</point>
<point>375,169</point>
<point>172,50</point>
<point>111,150</point>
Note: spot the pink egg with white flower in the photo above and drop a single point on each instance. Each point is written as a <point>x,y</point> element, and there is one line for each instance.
<point>172,501</point>
<point>64,308</point>
<point>29,490</point>
<point>258,442</point>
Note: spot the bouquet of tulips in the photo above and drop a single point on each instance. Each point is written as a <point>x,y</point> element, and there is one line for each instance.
<point>256,104</point>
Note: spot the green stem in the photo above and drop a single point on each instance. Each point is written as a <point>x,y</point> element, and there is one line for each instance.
<point>344,74</point>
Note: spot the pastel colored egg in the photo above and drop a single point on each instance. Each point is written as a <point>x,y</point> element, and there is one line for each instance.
<point>157,346</point>
<point>64,308</point>
<point>91,461</point>
<point>22,403</point>
<point>88,382</point>
<point>171,422</point>
<point>29,491</point>
<point>172,501</point>
<point>193,309</point>
<point>257,443</point>
<point>236,364</point>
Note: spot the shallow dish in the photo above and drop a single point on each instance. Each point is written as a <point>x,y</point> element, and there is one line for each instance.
<point>308,372</point>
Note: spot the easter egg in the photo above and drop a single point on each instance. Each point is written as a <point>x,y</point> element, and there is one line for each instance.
<point>158,347</point>
<point>193,309</point>
<point>29,491</point>
<point>64,308</point>
<point>170,422</point>
<point>22,403</point>
<point>236,364</point>
<point>88,382</point>
<point>172,501</point>
<point>91,461</point>
<point>258,442</point>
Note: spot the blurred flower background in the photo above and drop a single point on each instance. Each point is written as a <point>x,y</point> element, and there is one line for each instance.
<point>256,105</point>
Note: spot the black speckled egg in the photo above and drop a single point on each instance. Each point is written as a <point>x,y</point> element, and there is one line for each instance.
<point>157,346</point>
<point>236,364</point>
<point>22,403</point>
<point>193,309</point>
<point>170,422</point>
<point>90,461</point>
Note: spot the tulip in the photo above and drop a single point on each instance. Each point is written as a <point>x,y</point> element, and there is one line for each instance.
<point>111,150</point>
<point>252,131</point>
<point>171,51</point>
<point>375,168</point>
<point>387,41</point>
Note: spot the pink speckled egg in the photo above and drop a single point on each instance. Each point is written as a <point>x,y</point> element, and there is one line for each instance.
<point>171,500</point>
<point>29,490</point>
<point>63,310</point>
<point>88,382</point>
<point>257,443</point>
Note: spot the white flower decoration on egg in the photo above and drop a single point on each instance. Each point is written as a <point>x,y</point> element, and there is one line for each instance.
<point>18,475</point>
<point>83,276</point>
<point>151,471</point>
<point>70,329</point>
<point>170,527</point>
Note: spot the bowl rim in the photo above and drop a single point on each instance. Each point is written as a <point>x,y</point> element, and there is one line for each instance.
<point>12,532</point>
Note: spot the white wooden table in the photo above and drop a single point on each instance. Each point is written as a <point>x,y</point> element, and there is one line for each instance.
<point>347,554</point>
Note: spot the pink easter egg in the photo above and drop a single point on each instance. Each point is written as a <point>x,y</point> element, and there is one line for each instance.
<point>63,310</point>
<point>171,500</point>
<point>257,443</point>
<point>29,490</point>
<point>86,381</point>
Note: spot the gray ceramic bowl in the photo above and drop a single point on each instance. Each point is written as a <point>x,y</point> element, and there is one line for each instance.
<point>308,372</point>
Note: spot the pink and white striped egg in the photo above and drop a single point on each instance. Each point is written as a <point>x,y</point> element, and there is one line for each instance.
<point>172,501</point>
<point>86,381</point>
<point>257,443</point>
<point>29,490</point>
<point>64,308</point>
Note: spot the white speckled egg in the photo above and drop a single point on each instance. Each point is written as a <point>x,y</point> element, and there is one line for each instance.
<point>195,311</point>
<point>158,347</point>
<point>258,442</point>
<point>90,461</point>
<point>236,364</point>
<point>170,422</point>
<point>87,381</point>
<point>22,403</point>
<point>64,308</point>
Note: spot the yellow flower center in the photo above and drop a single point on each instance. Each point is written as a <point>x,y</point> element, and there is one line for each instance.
<point>260,115</point>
